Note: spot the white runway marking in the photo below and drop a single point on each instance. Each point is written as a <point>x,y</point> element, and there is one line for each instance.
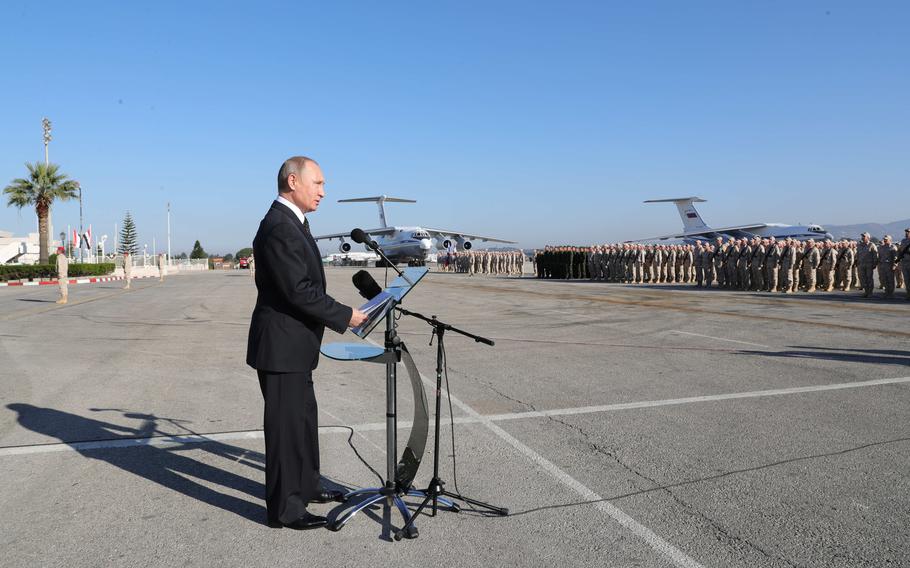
<point>720,338</point>
<point>663,547</point>
<point>693,399</point>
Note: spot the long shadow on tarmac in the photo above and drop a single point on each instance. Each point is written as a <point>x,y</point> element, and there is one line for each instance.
<point>846,355</point>
<point>161,465</point>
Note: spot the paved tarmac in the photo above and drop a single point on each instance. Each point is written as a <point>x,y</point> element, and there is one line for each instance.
<point>622,425</point>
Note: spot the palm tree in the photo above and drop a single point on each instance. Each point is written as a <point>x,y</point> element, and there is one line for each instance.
<point>44,185</point>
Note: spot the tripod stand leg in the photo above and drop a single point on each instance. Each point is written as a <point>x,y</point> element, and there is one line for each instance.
<point>501,511</point>
<point>443,502</point>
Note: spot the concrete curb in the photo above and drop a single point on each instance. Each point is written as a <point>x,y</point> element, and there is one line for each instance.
<point>91,280</point>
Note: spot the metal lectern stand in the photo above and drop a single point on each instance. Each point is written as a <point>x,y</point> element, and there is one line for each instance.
<point>399,474</point>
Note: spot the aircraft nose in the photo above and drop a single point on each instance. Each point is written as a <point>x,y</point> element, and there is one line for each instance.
<point>425,244</point>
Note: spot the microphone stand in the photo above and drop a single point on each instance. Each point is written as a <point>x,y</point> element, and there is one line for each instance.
<point>435,490</point>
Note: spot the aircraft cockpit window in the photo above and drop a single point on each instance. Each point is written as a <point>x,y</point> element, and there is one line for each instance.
<point>816,229</point>
<point>421,235</point>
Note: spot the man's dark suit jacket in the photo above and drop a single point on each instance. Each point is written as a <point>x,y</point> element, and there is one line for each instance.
<point>292,309</point>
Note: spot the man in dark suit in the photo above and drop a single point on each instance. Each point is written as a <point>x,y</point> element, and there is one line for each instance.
<point>292,311</point>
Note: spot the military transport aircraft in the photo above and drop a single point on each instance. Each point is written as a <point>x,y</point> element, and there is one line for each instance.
<point>695,229</point>
<point>408,244</point>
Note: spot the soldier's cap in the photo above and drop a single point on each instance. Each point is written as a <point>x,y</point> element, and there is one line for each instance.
<point>59,249</point>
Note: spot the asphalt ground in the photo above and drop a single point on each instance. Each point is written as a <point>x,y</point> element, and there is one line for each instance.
<point>622,426</point>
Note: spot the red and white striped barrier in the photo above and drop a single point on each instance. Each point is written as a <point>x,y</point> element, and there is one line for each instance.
<point>91,280</point>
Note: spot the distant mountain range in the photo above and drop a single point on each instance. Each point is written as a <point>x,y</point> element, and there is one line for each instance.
<point>895,229</point>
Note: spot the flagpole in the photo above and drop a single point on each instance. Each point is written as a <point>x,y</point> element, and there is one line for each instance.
<point>80,221</point>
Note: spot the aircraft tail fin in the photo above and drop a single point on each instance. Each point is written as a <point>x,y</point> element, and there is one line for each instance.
<point>692,221</point>
<point>379,200</point>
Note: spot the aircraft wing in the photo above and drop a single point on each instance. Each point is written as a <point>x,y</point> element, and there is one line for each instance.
<point>371,232</point>
<point>468,236</point>
<point>709,233</point>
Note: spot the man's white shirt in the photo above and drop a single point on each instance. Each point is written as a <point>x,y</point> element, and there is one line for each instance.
<point>293,208</point>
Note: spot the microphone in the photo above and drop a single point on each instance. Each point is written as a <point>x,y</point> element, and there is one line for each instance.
<point>360,237</point>
<point>365,284</point>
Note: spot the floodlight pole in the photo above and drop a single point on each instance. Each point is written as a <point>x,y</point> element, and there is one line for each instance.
<point>46,125</point>
<point>47,138</point>
<point>169,233</point>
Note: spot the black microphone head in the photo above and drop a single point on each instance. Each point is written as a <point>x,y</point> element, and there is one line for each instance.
<point>365,284</point>
<point>358,236</point>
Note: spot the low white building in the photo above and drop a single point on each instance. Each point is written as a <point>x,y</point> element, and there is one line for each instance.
<point>22,250</point>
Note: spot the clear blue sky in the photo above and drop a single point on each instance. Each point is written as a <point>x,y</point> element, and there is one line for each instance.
<point>544,123</point>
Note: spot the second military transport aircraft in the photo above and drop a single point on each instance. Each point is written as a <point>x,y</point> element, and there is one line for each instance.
<point>409,244</point>
<point>695,229</point>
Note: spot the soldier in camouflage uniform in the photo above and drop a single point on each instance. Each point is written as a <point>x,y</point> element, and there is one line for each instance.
<point>887,260</point>
<point>903,259</point>
<point>828,265</point>
<point>811,262</point>
<point>772,265</point>
<point>757,263</point>
<point>731,257</point>
<point>787,257</point>
<point>62,275</point>
<point>707,264</point>
<point>697,264</point>
<point>867,260</point>
<point>717,262</point>
<point>742,264</point>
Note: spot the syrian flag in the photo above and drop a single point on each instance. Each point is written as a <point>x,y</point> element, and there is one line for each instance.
<point>88,237</point>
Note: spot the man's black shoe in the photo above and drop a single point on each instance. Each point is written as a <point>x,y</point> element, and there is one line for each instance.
<point>327,496</point>
<point>304,522</point>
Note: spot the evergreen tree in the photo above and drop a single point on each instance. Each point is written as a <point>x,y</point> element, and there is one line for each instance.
<point>198,252</point>
<point>128,237</point>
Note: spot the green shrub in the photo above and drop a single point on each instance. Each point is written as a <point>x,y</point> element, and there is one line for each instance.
<point>44,271</point>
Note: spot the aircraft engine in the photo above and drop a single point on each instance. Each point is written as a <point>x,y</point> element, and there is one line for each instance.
<point>344,247</point>
<point>463,244</point>
<point>443,244</point>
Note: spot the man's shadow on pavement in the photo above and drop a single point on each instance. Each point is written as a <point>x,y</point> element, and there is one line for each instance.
<point>160,464</point>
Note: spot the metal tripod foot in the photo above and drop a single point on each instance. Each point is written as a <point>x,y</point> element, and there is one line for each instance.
<point>377,495</point>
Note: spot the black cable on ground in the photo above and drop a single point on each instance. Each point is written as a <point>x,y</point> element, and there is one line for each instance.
<point>457,492</point>
<point>356,452</point>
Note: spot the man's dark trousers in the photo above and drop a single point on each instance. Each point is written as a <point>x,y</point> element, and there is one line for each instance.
<point>291,444</point>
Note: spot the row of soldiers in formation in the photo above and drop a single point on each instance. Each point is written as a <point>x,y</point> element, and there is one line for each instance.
<point>761,264</point>
<point>507,263</point>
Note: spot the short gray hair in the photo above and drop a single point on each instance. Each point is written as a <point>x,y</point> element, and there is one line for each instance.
<point>293,165</point>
